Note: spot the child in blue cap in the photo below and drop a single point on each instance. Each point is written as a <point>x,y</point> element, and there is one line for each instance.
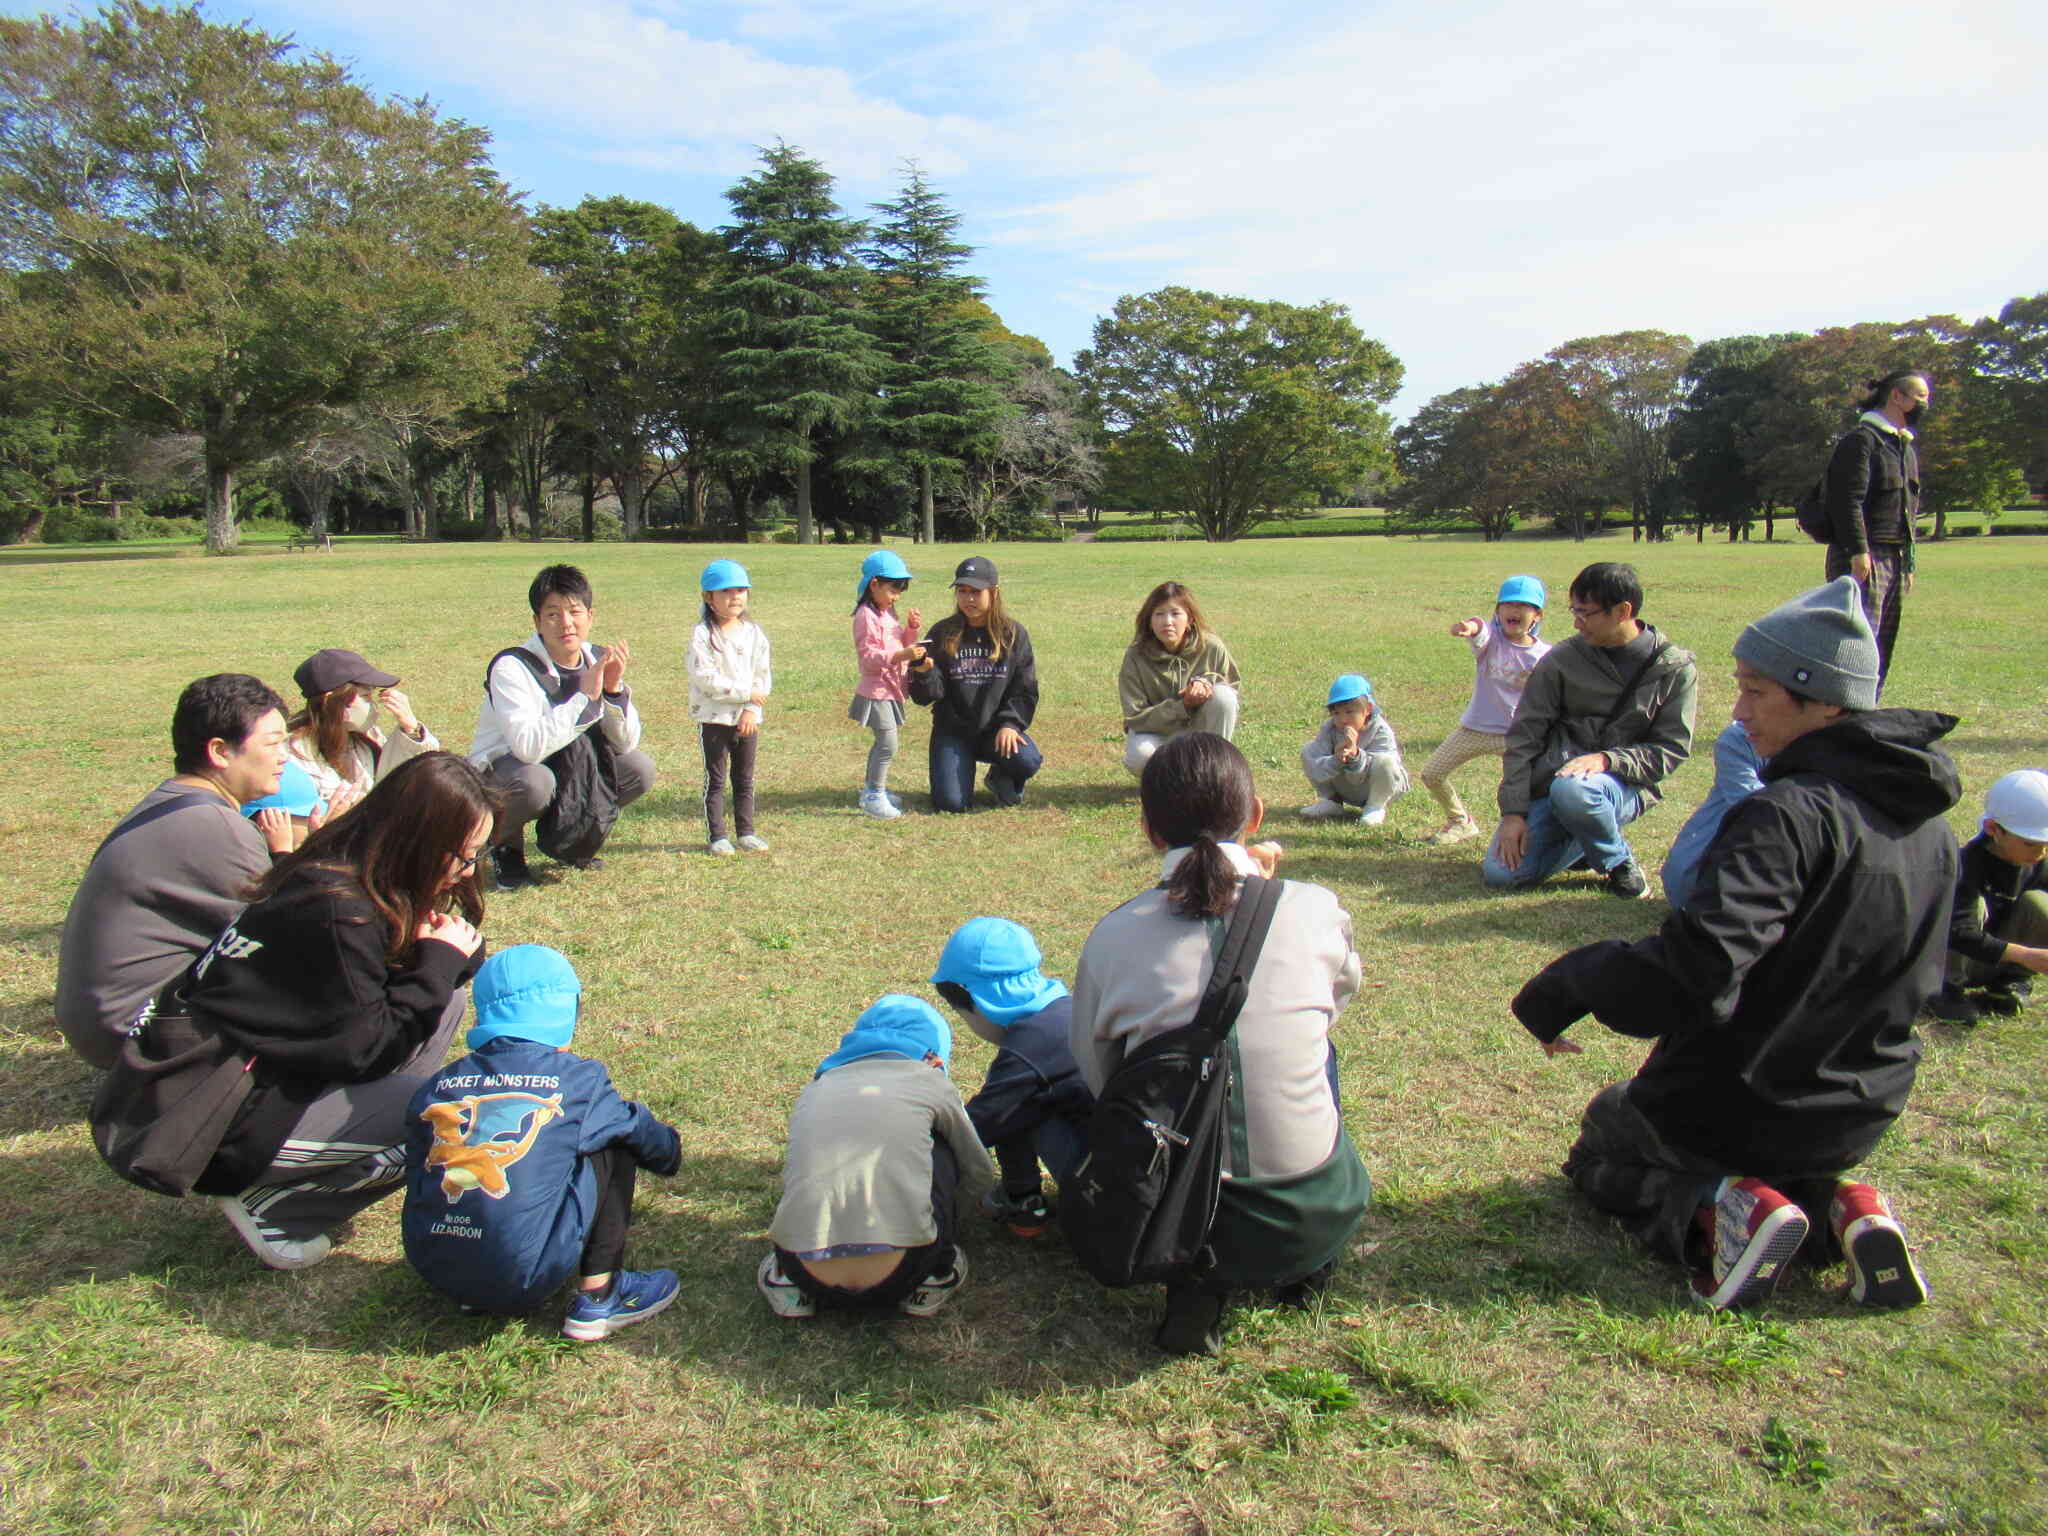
<point>1353,763</point>
<point>883,646</point>
<point>297,801</point>
<point>880,1153</point>
<point>729,684</point>
<point>1504,650</point>
<point>520,1161</point>
<point>1033,1106</point>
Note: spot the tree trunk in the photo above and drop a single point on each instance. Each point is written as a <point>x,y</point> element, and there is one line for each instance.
<point>806,530</point>
<point>220,508</point>
<point>927,517</point>
<point>696,493</point>
<point>31,532</point>
<point>491,507</point>
<point>631,484</point>
<point>1941,522</point>
<point>589,506</point>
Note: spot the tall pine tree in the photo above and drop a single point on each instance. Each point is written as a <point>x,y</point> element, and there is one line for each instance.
<point>943,390</point>
<point>796,359</point>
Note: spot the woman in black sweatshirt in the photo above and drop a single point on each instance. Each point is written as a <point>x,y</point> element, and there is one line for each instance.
<point>339,982</point>
<point>981,682</point>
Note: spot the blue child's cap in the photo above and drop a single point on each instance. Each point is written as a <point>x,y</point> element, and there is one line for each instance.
<point>1521,589</point>
<point>997,961</point>
<point>529,992</point>
<point>296,793</point>
<point>1351,685</point>
<point>896,1025</point>
<point>885,563</point>
<point>721,574</point>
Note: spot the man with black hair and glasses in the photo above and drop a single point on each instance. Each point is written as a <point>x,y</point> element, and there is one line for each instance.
<point>1605,718</point>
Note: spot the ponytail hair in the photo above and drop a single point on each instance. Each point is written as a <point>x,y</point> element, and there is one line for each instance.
<point>1881,389</point>
<point>1197,794</point>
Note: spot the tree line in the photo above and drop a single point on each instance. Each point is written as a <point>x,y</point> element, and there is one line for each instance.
<point>222,255</point>
<point>1648,426</point>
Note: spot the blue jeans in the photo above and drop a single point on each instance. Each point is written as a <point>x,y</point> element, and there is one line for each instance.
<point>952,759</point>
<point>1580,819</point>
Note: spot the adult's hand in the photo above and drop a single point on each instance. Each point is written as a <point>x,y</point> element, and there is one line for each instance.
<point>1860,568</point>
<point>1008,740</point>
<point>1197,693</point>
<point>616,656</point>
<point>1561,1047</point>
<point>1584,766</point>
<point>276,827</point>
<point>451,930</point>
<point>592,682</point>
<point>1512,840</point>
<point>1906,584</point>
<point>394,699</point>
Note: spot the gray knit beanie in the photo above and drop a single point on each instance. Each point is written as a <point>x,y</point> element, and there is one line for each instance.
<point>1818,645</point>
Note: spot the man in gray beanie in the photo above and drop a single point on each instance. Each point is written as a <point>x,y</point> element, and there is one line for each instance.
<point>1782,998</point>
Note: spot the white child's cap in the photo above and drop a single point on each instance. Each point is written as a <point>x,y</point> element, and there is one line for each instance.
<point>2019,803</point>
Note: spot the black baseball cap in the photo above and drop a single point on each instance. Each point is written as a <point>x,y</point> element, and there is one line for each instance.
<point>325,671</point>
<point>976,571</point>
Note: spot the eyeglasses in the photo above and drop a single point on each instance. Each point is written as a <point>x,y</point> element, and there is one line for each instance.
<point>1586,613</point>
<point>464,865</point>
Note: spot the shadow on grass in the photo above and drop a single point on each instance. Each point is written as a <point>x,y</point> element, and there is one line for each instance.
<point>48,1088</point>
<point>86,555</point>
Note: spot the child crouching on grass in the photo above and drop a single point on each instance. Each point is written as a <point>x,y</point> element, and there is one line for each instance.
<point>520,1161</point>
<point>1033,1107</point>
<point>1353,763</point>
<point>880,1150</point>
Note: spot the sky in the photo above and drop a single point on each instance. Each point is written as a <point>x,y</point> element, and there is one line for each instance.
<point>1477,181</point>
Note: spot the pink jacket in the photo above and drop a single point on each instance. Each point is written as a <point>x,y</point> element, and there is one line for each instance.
<point>876,637</point>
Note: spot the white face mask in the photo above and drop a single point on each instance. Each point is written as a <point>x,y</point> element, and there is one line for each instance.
<point>361,713</point>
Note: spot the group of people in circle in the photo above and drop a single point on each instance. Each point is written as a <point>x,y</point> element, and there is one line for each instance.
<point>325,945</point>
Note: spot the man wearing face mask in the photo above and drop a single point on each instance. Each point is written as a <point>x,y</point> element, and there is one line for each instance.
<point>1872,498</point>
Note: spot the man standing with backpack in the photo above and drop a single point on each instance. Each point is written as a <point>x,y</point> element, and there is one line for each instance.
<point>1870,497</point>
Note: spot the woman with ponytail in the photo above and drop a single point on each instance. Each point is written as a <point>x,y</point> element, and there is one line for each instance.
<point>1295,1188</point>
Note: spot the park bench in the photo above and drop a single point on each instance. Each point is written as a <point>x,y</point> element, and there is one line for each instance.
<point>298,543</point>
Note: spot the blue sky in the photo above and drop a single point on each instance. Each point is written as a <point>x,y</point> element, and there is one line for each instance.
<point>1478,181</point>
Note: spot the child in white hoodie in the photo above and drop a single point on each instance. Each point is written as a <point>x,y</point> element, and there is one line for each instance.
<point>729,683</point>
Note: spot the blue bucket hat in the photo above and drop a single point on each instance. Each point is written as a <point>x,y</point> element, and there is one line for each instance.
<point>1521,589</point>
<point>529,992</point>
<point>296,793</point>
<point>1349,686</point>
<point>896,1025</point>
<point>721,574</point>
<point>997,961</point>
<point>885,563</point>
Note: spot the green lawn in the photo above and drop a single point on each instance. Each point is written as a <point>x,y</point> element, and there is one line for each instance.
<point>1494,1357</point>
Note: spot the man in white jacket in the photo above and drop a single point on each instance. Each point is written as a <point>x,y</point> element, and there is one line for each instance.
<point>530,713</point>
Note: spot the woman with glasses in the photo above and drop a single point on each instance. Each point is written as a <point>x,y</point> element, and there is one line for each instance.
<point>339,982</point>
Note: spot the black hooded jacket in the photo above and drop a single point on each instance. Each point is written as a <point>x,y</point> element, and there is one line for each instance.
<point>1782,998</point>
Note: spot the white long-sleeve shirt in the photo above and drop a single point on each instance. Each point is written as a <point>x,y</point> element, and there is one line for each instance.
<point>518,717</point>
<point>727,669</point>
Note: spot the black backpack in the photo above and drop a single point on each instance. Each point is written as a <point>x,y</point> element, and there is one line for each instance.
<point>586,803</point>
<point>1811,510</point>
<point>1140,1206</point>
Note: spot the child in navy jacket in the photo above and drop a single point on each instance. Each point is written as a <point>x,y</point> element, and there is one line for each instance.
<point>520,1160</point>
<point>1033,1107</point>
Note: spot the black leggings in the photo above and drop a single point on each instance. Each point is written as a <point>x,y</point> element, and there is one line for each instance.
<point>720,743</point>
<point>604,1247</point>
<point>918,1264</point>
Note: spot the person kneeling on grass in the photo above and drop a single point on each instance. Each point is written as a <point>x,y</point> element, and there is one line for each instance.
<point>520,1161</point>
<point>1782,996</point>
<point>880,1149</point>
<point>1033,1107</point>
<point>1998,932</point>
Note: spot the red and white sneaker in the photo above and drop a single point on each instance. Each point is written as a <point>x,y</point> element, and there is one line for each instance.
<point>1881,1268</point>
<point>1756,1233</point>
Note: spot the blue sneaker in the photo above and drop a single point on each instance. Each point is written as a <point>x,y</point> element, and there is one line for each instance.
<point>636,1295</point>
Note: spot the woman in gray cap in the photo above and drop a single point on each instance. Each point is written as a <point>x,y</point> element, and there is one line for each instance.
<point>334,735</point>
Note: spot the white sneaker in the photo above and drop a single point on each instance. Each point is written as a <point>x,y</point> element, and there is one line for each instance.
<point>1323,810</point>
<point>753,844</point>
<point>879,807</point>
<point>1372,815</point>
<point>932,1296</point>
<point>722,847</point>
<point>277,1252</point>
<point>781,1293</point>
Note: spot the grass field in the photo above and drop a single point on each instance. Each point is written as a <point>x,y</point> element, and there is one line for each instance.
<point>1494,1356</point>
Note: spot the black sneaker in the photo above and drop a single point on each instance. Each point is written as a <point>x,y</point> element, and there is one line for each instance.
<point>1628,881</point>
<point>1193,1324</point>
<point>2004,1001</point>
<point>508,867</point>
<point>1026,1214</point>
<point>1006,789</point>
<point>589,866</point>
<point>1952,1007</point>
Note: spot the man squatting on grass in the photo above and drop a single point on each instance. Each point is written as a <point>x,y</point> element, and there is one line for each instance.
<point>1605,717</point>
<point>176,869</point>
<point>1782,998</point>
<point>530,713</point>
